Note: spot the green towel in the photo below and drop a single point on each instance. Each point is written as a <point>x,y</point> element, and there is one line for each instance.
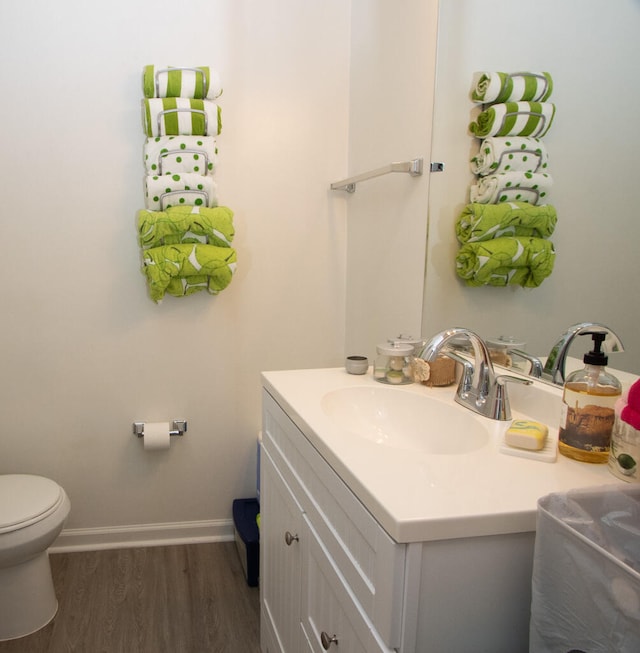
<point>479,222</point>
<point>186,224</point>
<point>507,261</point>
<point>495,87</point>
<point>514,119</point>
<point>188,268</point>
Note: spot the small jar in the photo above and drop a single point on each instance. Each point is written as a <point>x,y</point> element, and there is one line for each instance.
<point>500,351</point>
<point>393,363</point>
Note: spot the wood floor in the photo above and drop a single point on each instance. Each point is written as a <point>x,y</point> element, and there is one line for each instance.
<point>171,599</point>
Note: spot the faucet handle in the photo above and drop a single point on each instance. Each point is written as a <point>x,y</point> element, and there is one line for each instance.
<point>466,379</point>
<point>500,401</point>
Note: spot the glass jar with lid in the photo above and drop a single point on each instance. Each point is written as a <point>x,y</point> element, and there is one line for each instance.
<point>393,363</point>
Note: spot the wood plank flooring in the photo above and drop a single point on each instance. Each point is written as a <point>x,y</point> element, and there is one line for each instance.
<point>170,599</point>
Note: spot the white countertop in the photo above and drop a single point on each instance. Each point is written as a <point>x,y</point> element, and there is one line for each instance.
<point>419,496</point>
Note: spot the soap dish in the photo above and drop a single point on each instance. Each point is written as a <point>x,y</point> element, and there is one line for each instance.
<point>547,454</point>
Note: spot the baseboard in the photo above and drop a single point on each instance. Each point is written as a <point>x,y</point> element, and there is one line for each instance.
<point>139,535</point>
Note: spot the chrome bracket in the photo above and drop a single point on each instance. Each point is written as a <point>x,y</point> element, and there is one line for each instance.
<point>179,428</point>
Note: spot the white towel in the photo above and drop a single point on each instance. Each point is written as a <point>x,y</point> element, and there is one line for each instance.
<point>512,187</point>
<point>201,82</point>
<point>510,154</point>
<point>181,116</point>
<point>166,155</point>
<point>531,119</point>
<point>164,191</point>
<point>489,87</point>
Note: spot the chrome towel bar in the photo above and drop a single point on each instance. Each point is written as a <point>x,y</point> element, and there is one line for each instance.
<point>413,167</point>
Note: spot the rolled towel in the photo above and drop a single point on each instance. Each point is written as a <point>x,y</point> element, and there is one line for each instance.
<point>197,82</point>
<point>491,87</point>
<point>510,154</point>
<point>188,268</point>
<point>181,116</point>
<point>507,261</point>
<point>186,224</point>
<point>164,191</point>
<point>479,222</point>
<point>511,187</point>
<point>166,155</point>
<point>514,119</point>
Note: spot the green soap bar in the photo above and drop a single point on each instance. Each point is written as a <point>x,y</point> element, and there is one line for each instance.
<point>526,434</point>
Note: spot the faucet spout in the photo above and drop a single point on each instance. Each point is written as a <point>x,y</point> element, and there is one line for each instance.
<point>483,373</point>
<point>479,390</point>
<point>554,368</point>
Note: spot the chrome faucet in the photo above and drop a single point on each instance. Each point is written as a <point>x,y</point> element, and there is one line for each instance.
<point>479,390</point>
<point>554,368</point>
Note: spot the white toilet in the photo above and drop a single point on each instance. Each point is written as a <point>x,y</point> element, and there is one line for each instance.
<point>32,512</point>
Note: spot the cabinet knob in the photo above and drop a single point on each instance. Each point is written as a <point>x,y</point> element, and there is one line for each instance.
<point>327,640</point>
<point>290,539</point>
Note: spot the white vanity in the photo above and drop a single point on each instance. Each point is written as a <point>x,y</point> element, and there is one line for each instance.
<point>391,521</point>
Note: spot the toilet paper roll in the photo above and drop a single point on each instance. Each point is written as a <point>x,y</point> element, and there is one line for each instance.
<point>156,436</point>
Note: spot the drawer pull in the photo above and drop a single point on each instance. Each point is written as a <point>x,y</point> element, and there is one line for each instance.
<point>290,539</point>
<point>327,641</point>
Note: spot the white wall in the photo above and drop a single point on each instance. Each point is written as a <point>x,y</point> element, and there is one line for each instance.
<point>592,50</point>
<point>84,352</point>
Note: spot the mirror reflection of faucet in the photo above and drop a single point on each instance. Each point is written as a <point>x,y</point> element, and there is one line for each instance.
<point>508,351</point>
<point>554,368</point>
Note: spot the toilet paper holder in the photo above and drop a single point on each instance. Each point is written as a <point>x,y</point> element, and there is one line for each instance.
<point>179,428</point>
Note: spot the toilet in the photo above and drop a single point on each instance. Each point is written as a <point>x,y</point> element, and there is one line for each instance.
<point>32,512</point>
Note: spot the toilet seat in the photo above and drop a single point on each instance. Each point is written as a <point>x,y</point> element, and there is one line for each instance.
<point>26,499</point>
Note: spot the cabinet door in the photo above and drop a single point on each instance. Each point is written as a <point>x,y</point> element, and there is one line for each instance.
<point>331,618</point>
<point>280,560</point>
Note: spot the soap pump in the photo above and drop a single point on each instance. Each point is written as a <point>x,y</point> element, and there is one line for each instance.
<point>588,403</point>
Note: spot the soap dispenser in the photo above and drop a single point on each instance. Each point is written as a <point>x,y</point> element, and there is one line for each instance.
<point>588,403</point>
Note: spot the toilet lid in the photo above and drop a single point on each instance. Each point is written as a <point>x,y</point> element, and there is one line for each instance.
<point>25,498</point>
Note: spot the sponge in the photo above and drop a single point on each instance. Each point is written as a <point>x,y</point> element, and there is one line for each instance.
<point>526,434</point>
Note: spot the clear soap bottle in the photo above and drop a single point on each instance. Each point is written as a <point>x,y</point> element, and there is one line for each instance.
<point>588,402</point>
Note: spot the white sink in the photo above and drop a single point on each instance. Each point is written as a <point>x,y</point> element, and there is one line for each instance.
<point>393,418</point>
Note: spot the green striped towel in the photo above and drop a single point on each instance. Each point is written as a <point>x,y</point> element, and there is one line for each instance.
<point>511,187</point>
<point>507,261</point>
<point>186,224</point>
<point>198,82</point>
<point>165,155</point>
<point>181,116</point>
<point>492,87</point>
<point>514,119</point>
<point>187,268</point>
<point>510,154</point>
<point>164,191</point>
<point>479,222</point>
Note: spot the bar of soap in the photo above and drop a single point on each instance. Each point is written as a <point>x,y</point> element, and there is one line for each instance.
<point>526,434</point>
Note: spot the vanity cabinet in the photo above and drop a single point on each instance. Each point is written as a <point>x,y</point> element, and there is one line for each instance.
<point>330,575</point>
<point>397,549</point>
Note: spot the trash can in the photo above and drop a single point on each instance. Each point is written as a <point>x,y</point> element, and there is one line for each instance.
<point>247,537</point>
<point>586,572</point>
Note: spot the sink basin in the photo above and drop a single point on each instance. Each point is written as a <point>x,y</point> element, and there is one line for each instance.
<point>403,420</point>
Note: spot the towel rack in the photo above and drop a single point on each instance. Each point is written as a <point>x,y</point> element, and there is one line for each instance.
<point>200,194</point>
<point>413,167</point>
<point>166,153</point>
<point>169,70</point>
<point>200,112</point>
